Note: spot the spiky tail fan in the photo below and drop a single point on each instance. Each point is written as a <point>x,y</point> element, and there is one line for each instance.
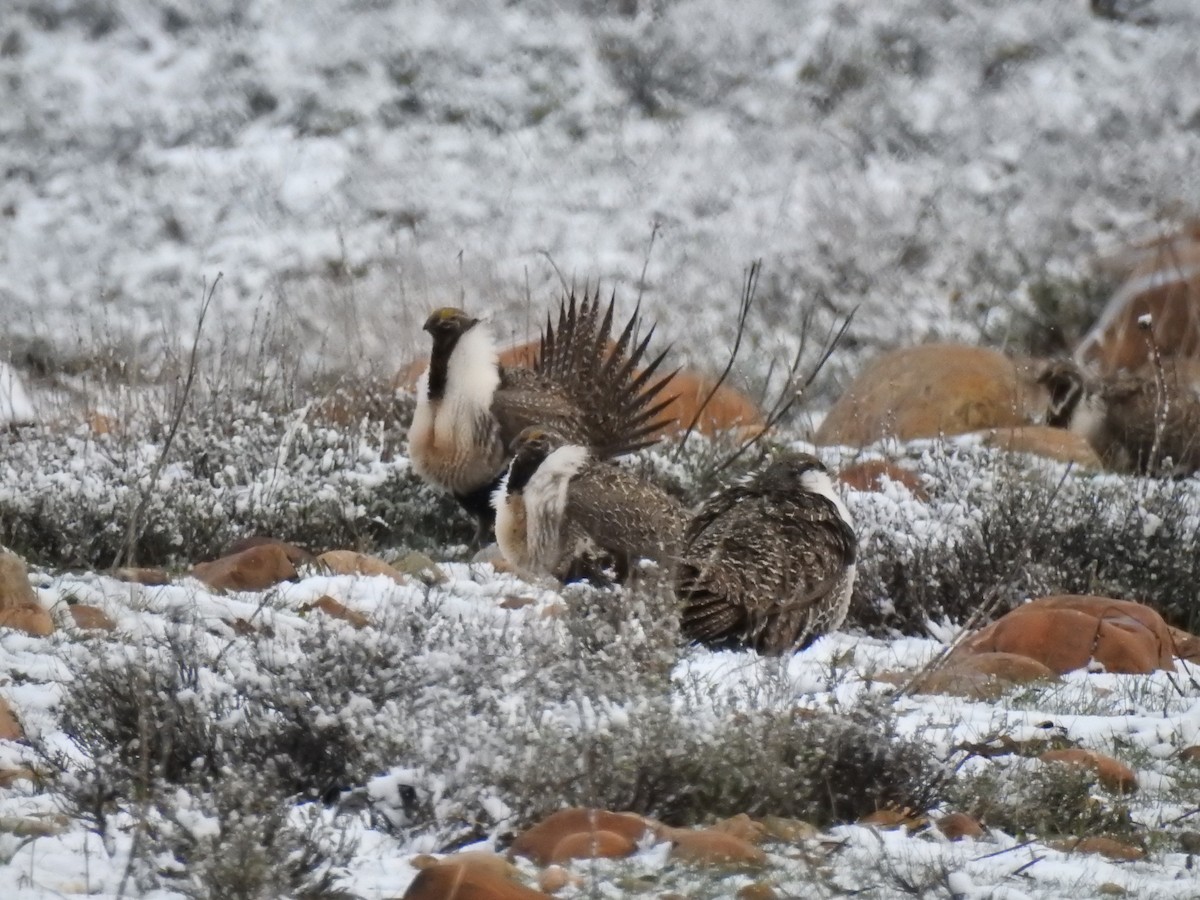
<point>623,404</point>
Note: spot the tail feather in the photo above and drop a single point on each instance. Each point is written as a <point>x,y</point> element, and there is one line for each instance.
<point>620,402</point>
<point>709,617</point>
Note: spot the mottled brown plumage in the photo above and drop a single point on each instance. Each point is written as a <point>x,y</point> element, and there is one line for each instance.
<point>768,564</point>
<point>584,385</point>
<point>557,505</point>
<point>1139,423</point>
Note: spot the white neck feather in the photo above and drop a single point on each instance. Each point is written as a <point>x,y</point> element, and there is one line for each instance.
<point>817,482</point>
<point>546,502</point>
<point>1087,419</point>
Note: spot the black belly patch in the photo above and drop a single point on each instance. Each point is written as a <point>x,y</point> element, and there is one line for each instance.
<point>479,502</point>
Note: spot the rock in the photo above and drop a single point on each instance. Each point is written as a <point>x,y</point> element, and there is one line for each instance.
<point>553,879</point>
<point>1190,754</point>
<point>90,618</point>
<point>1066,632</point>
<point>336,610</point>
<point>19,607</point>
<point>932,390</point>
<point>888,819</point>
<point>957,826</point>
<point>10,729</point>
<point>1185,645</point>
<point>978,676</point>
<point>872,474</point>
<point>1104,846</point>
<point>100,424</point>
<point>254,569</point>
<point>348,562</point>
<point>792,831</point>
<point>710,847</point>
<point>742,826</point>
<point>298,555</point>
<point>1189,841</point>
<point>1113,774</point>
<point>421,567</point>
<point>443,882</point>
<point>8,777</point>
<point>1163,282</point>
<point>728,410</point>
<point>592,845</point>
<point>1111,889</point>
<point>539,841</point>
<point>482,861</point>
<point>141,575</point>
<point>29,827</point>
<point>1042,440</point>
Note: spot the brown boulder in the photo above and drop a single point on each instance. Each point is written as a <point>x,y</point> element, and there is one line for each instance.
<point>10,728</point>
<point>1190,754</point>
<point>336,610</point>
<point>592,845</point>
<point>19,606</point>
<point>150,577</point>
<point>1042,440</point>
<point>1066,632</point>
<point>90,618</point>
<point>348,562</point>
<point>957,826</point>
<point>931,390</point>
<point>871,474</point>
<point>553,879</point>
<point>742,826</point>
<point>483,861</point>
<point>710,847</point>
<point>453,882</point>
<point>978,676</point>
<point>1113,774</point>
<point>1185,645</point>
<point>298,555</point>
<point>1104,846</point>
<point>540,841</point>
<point>254,569</point>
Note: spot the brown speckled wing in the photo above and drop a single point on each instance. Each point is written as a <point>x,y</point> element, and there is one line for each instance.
<point>624,513</point>
<point>761,569</point>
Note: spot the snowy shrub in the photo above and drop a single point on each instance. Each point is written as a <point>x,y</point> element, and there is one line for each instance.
<point>1025,797</point>
<point>999,529</point>
<point>234,469</point>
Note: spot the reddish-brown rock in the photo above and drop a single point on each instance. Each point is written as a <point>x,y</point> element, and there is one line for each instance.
<point>1185,645</point>
<point>349,562</point>
<point>482,861</point>
<point>553,879</point>
<point>336,610</point>
<point>539,841</point>
<point>932,390</point>
<point>298,555</point>
<point>871,474</point>
<point>1042,440</point>
<point>10,728</point>
<point>742,826</point>
<point>1113,774</point>
<point>592,845</point>
<point>90,618</point>
<point>1162,283</point>
<point>150,577</point>
<point>19,606</point>
<point>757,890</point>
<point>1190,754</point>
<point>450,882</point>
<point>1065,632</point>
<point>709,847</point>
<point>978,676</point>
<point>957,826</point>
<point>9,777</point>
<point>254,569</point>
<point>1104,846</point>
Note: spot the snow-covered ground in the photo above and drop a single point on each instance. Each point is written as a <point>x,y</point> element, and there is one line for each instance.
<point>349,164</point>
<point>1143,719</point>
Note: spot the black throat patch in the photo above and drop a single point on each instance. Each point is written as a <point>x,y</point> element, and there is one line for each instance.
<point>524,464</point>
<point>439,362</point>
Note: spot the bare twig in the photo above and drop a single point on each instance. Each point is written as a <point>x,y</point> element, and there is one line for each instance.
<point>126,556</point>
<point>646,261</point>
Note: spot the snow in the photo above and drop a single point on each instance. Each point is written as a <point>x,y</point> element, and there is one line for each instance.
<point>1158,712</point>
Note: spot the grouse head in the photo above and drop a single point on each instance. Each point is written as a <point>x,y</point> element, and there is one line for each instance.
<point>1066,385</point>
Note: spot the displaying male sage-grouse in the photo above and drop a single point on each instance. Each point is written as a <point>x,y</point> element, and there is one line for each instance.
<point>770,563</point>
<point>1135,423</point>
<point>558,508</point>
<point>469,408</point>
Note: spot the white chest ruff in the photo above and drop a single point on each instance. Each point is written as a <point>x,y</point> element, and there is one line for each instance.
<point>454,441</point>
<point>546,504</point>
